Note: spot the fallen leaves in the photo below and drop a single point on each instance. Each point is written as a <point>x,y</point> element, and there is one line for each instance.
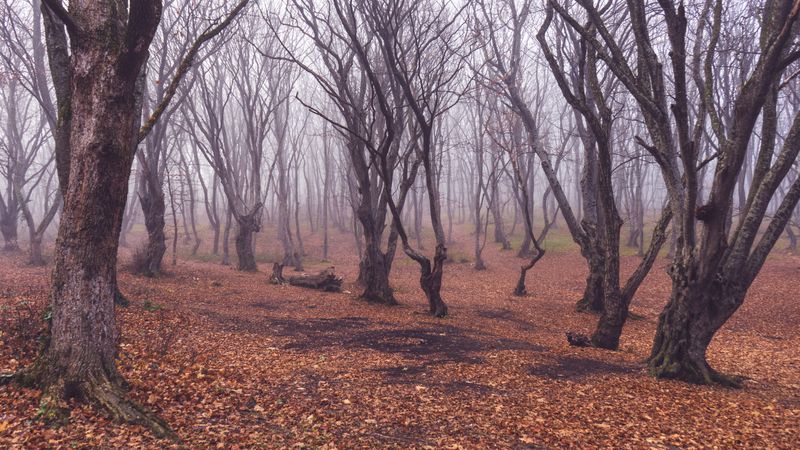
<point>257,366</point>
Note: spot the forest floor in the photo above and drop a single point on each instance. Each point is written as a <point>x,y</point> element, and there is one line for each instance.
<point>230,361</point>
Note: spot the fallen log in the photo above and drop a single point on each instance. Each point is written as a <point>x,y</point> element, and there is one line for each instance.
<point>323,281</point>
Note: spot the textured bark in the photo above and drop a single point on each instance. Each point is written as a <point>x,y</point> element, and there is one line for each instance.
<point>592,299</point>
<point>154,209</point>
<point>685,329</point>
<point>247,225</point>
<point>325,280</point>
<point>8,227</point>
<point>78,360</point>
<point>431,281</point>
<point>374,276</point>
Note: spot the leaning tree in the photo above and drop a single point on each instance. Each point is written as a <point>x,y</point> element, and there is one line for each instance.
<point>717,256</point>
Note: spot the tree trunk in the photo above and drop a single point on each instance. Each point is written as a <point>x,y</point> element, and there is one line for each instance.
<point>79,359</point>
<point>8,228</point>
<point>153,208</point>
<point>592,300</point>
<point>373,272</point>
<point>36,257</point>
<point>499,225</point>
<point>431,282</point>
<point>617,302</point>
<point>226,235</point>
<point>790,234</point>
<point>686,326</point>
<point>247,225</point>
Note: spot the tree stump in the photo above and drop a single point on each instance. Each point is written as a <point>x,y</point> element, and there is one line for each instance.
<point>325,280</point>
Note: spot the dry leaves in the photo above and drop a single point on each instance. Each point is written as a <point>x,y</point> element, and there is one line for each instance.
<point>233,362</point>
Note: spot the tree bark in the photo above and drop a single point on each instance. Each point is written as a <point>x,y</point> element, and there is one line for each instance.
<point>685,329</point>
<point>247,225</point>
<point>154,209</point>
<point>79,358</point>
<point>8,228</point>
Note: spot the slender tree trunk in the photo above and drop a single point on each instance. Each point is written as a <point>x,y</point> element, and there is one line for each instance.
<point>792,236</point>
<point>226,238</point>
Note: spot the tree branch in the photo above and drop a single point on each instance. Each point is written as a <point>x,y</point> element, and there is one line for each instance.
<point>185,65</point>
<point>58,9</point>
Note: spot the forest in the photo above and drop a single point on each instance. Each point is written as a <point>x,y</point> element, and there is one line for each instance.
<point>399,224</point>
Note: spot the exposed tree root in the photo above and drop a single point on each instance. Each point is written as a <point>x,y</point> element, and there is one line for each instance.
<point>379,300</point>
<point>688,370</point>
<point>440,312</point>
<point>112,398</point>
<point>99,390</point>
<point>120,299</point>
<point>578,339</point>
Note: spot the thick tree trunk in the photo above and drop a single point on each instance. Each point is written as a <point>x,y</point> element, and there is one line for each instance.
<point>79,359</point>
<point>685,329</point>
<point>615,306</point>
<point>246,226</point>
<point>373,271</point>
<point>8,228</point>
<point>154,209</point>
<point>592,300</point>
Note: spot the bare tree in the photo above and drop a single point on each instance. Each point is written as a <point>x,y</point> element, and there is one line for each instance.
<point>342,75</point>
<point>418,44</point>
<point>588,92</point>
<point>95,80</point>
<point>715,261</point>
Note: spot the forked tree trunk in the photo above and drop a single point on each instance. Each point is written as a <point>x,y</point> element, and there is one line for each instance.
<point>373,271</point>
<point>247,225</point>
<point>520,290</point>
<point>617,302</point>
<point>431,281</point>
<point>79,359</point>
